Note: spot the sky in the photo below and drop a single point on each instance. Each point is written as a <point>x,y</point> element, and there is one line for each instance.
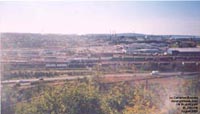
<point>81,17</point>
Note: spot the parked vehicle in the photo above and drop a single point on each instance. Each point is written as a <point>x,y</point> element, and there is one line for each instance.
<point>155,72</point>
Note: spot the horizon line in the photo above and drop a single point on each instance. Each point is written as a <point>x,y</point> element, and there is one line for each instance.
<point>111,33</point>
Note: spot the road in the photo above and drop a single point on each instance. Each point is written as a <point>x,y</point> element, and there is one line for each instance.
<point>135,75</point>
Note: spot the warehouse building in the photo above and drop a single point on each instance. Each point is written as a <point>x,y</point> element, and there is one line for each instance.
<point>184,51</point>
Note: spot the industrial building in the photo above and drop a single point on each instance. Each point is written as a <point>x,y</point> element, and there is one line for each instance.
<point>184,51</point>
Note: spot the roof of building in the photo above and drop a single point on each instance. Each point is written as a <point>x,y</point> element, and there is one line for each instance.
<point>185,49</point>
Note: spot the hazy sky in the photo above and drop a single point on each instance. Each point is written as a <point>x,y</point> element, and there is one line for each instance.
<point>101,17</point>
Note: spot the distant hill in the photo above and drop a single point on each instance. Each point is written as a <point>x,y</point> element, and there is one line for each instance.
<point>94,35</point>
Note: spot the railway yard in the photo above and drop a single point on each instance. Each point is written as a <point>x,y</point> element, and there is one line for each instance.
<point>37,56</point>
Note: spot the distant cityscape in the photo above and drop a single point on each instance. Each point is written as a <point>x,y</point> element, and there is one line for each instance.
<point>64,52</point>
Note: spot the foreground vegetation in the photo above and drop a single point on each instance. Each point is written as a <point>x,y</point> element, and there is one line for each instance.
<point>88,96</point>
